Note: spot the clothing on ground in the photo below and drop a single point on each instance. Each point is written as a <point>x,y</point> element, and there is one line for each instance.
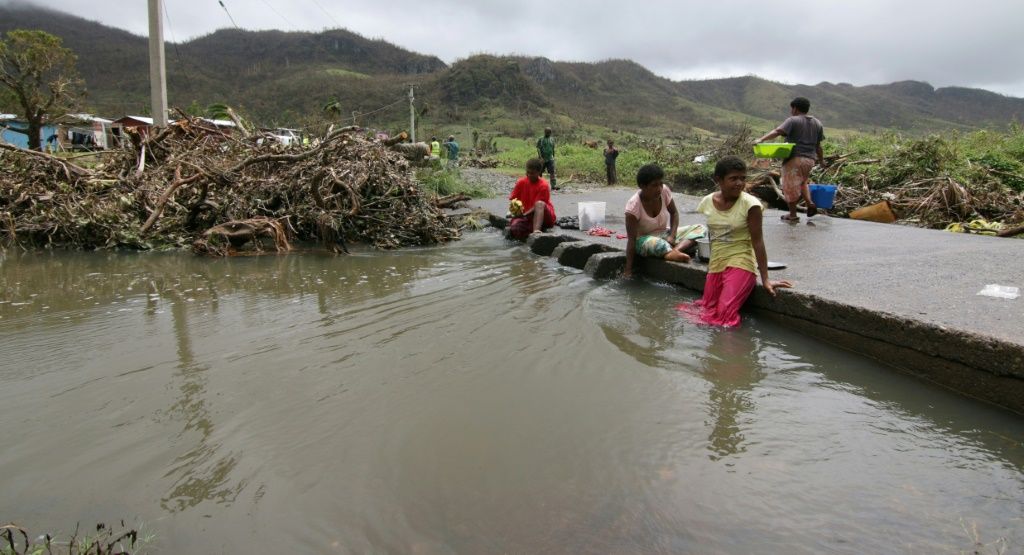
<point>731,246</point>
<point>806,131</point>
<point>796,174</point>
<point>724,294</point>
<point>657,246</point>
<point>647,225</point>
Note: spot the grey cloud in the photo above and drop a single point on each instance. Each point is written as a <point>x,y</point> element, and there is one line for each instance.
<point>944,42</point>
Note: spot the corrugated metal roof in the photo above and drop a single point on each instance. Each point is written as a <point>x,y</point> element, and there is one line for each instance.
<point>220,122</point>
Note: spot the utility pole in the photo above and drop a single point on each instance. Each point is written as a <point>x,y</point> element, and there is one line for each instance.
<point>412,116</point>
<point>157,67</point>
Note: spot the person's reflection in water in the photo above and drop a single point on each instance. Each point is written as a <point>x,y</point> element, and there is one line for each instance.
<point>199,474</point>
<point>732,369</point>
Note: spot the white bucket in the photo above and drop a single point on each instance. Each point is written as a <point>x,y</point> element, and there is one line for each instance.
<point>591,214</point>
<point>704,249</point>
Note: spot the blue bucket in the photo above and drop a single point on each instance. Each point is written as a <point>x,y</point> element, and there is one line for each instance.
<point>823,195</point>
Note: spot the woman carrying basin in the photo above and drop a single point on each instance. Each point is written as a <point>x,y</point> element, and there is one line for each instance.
<point>652,222</point>
<point>737,248</point>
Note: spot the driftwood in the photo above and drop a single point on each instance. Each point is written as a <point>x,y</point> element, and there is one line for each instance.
<point>1011,232</point>
<point>159,208</point>
<point>414,152</point>
<point>68,166</point>
<point>399,138</point>
<point>168,190</point>
<point>228,237</point>
<point>451,200</point>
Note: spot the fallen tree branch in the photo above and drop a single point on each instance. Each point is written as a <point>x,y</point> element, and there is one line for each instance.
<point>178,182</point>
<point>78,170</point>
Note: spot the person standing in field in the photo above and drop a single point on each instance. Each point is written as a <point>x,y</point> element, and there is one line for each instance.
<point>610,154</point>
<point>546,153</point>
<point>453,151</point>
<point>807,133</point>
<point>435,149</point>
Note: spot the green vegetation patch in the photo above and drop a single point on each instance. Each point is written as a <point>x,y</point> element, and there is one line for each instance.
<point>338,72</point>
<point>444,182</point>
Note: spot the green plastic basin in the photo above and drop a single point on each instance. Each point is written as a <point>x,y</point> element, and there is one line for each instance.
<point>773,150</point>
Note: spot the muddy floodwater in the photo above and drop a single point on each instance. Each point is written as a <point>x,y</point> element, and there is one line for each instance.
<point>470,398</point>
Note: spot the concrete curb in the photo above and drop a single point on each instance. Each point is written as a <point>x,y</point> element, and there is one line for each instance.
<point>975,365</point>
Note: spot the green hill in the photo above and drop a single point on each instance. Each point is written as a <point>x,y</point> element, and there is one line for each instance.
<point>286,77</point>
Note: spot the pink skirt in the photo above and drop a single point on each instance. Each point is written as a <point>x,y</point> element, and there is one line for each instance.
<point>724,294</point>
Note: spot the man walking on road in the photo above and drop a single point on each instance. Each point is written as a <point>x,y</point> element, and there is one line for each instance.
<point>610,154</point>
<point>807,132</point>
<point>546,152</point>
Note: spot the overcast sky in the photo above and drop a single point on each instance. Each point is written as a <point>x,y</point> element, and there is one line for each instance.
<point>976,43</point>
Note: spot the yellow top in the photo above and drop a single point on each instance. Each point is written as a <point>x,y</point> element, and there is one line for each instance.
<point>730,236</point>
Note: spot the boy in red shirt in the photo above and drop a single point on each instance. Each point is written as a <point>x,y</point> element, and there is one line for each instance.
<point>535,194</point>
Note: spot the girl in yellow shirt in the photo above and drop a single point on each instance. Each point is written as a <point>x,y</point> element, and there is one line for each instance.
<point>737,247</point>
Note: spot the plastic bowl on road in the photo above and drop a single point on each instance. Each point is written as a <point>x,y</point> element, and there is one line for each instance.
<point>773,150</point>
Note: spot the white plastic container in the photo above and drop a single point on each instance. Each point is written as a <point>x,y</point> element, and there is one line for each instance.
<point>704,249</point>
<point>591,214</point>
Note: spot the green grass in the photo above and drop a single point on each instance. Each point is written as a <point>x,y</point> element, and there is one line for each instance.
<point>442,182</point>
<point>988,160</point>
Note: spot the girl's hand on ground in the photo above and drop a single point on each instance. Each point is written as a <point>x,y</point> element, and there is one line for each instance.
<point>771,285</point>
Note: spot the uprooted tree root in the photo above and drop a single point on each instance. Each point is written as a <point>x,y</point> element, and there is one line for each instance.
<point>191,185</point>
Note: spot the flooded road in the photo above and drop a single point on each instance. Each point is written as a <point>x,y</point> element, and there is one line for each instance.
<point>470,398</point>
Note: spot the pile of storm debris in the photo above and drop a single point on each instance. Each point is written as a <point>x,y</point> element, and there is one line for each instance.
<point>191,185</point>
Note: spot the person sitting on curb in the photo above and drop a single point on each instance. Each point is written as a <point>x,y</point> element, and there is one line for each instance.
<point>737,248</point>
<point>652,222</point>
<point>533,192</point>
<point>807,132</point>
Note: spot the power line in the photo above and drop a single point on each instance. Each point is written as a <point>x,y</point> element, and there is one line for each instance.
<point>221,2</point>
<point>174,41</point>
<point>336,22</point>
<point>279,14</point>
<point>382,109</point>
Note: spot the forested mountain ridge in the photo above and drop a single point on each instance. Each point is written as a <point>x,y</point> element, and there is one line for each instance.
<point>285,77</point>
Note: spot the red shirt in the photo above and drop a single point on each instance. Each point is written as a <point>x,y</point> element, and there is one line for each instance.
<point>530,192</point>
